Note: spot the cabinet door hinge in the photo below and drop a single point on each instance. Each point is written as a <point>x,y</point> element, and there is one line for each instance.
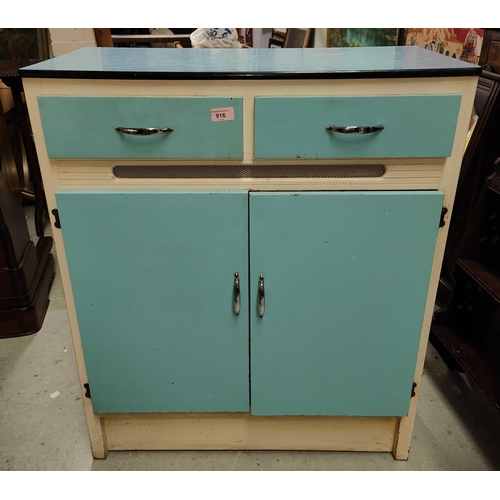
<point>413,387</point>
<point>87,390</point>
<point>444,211</point>
<point>57,222</point>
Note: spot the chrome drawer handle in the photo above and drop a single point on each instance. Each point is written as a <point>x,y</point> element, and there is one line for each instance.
<point>262,299</point>
<point>236,303</point>
<point>144,131</point>
<point>354,130</point>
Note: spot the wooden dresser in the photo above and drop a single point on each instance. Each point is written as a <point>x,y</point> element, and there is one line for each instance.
<point>250,240</point>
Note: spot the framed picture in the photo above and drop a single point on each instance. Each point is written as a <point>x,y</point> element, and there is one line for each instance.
<point>24,43</point>
<point>362,37</point>
<point>460,43</point>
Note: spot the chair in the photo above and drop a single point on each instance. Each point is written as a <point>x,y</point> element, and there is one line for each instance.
<point>297,38</point>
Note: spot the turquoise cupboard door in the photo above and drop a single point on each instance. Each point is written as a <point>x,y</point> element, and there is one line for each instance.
<point>345,283</point>
<point>153,279</point>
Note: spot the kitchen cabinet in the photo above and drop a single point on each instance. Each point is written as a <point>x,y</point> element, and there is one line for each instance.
<point>250,240</point>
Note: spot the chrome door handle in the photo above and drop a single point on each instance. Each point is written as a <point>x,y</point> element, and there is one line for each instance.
<point>143,131</point>
<point>236,303</point>
<point>351,129</point>
<point>262,299</point>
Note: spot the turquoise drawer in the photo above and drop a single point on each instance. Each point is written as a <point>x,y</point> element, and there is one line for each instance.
<point>84,127</point>
<point>414,126</point>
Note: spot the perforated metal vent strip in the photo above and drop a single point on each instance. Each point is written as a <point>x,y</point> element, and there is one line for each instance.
<point>245,171</point>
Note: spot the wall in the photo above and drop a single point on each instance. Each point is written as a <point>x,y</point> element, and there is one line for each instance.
<point>64,40</point>
<point>320,37</point>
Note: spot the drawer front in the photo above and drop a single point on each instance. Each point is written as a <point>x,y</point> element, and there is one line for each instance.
<point>414,126</point>
<point>84,127</point>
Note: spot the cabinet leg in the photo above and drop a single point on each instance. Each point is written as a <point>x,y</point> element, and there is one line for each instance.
<point>100,453</point>
<point>97,433</point>
<point>400,454</point>
<point>402,438</point>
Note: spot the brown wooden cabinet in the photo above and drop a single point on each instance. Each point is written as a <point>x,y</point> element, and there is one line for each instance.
<point>490,52</point>
<point>466,330</point>
<point>26,271</point>
<point>477,164</point>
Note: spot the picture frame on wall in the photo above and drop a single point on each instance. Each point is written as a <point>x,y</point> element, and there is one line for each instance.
<point>363,37</point>
<point>24,43</point>
<point>459,43</point>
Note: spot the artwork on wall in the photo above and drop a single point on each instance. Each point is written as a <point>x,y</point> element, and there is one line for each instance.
<point>362,37</point>
<point>460,43</point>
<point>24,43</point>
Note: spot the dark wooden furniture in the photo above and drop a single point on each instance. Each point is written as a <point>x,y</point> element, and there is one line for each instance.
<point>468,334</point>
<point>466,329</point>
<point>8,165</point>
<point>277,39</point>
<point>106,38</point>
<point>477,164</point>
<point>26,271</point>
<point>490,51</point>
<point>9,74</point>
<point>185,40</point>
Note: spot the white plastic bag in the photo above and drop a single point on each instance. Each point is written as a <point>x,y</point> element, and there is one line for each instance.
<point>215,38</point>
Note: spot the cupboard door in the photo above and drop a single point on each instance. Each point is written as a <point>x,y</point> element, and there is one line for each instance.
<point>153,278</point>
<point>346,276</point>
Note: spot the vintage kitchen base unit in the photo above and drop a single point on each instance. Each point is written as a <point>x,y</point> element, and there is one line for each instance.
<point>250,241</point>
